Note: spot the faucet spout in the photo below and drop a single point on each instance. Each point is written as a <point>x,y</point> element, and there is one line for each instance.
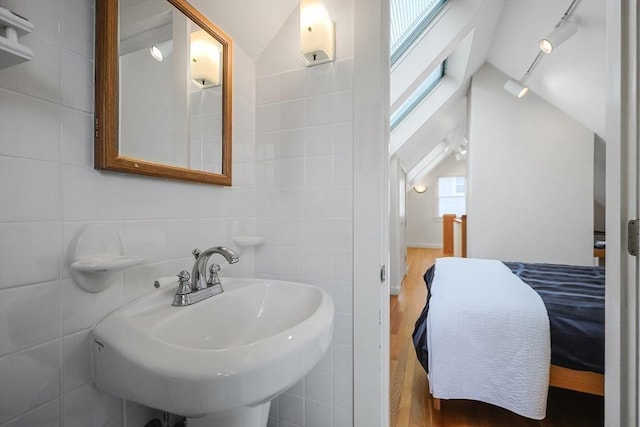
<point>199,272</point>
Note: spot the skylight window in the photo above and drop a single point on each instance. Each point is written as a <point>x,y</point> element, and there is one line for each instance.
<point>417,96</point>
<point>409,18</point>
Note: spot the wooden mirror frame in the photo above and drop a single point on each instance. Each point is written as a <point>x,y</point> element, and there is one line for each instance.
<point>106,147</point>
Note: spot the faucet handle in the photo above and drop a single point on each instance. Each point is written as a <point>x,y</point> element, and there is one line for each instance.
<point>184,287</point>
<point>163,282</point>
<point>213,275</point>
<point>196,253</point>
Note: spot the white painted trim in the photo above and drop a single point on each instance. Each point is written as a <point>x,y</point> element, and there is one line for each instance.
<point>621,323</point>
<point>422,58</point>
<point>424,245</point>
<point>371,333</point>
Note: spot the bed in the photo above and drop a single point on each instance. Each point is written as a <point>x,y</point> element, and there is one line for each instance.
<point>573,297</point>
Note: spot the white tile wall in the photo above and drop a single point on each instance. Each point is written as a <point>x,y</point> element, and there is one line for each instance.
<point>49,191</point>
<point>29,379</point>
<point>292,86</point>
<point>36,309</point>
<point>25,176</point>
<point>34,142</point>
<point>86,406</point>
<point>310,111</point>
<point>293,139</point>
<point>47,415</point>
<point>76,360</point>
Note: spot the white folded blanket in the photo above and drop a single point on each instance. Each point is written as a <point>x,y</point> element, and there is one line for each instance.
<point>488,337</point>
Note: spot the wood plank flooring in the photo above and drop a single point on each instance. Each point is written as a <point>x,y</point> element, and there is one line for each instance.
<point>410,402</point>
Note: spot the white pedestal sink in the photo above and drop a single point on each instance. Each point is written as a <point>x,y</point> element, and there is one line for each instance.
<point>218,362</point>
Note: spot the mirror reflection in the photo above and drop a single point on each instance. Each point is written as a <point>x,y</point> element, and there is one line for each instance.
<point>163,91</point>
<point>170,88</point>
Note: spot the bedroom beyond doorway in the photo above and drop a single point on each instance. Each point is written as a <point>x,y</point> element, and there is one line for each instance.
<point>411,404</point>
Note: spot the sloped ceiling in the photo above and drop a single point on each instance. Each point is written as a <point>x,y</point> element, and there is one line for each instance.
<point>506,34</point>
<point>573,77</point>
<point>251,23</point>
<point>465,41</point>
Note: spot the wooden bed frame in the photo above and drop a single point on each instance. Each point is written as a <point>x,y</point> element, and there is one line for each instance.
<point>570,379</point>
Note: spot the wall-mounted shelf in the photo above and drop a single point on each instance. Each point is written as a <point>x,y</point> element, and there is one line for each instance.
<point>106,263</point>
<point>248,241</point>
<point>13,26</point>
<point>96,255</point>
<point>242,238</point>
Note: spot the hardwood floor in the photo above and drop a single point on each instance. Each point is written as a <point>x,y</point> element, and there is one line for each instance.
<point>411,404</point>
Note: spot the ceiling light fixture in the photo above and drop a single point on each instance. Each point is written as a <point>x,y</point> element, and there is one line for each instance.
<point>563,30</point>
<point>561,33</point>
<point>160,51</point>
<point>516,88</point>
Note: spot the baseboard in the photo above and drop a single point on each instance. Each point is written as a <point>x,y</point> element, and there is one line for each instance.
<point>424,245</point>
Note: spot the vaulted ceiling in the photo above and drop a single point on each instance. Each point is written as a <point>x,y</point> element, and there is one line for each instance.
<point>505,34</point>
<point>572,78</point>
<point>251,23</point>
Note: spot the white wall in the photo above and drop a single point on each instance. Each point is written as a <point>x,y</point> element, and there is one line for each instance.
<point>140,78</point>
<point>49,190</point>
<point>424,227</point>
<point>164,85</point>
<point>397,221</point>
<point>531,178</point>
<point>304,202</point>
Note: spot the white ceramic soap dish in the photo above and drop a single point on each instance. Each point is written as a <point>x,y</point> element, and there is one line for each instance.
<point>13,26</point>
<point>248,241</point>
<point>96,255</point>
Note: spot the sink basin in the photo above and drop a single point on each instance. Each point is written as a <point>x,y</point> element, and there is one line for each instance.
<point>236,350</point>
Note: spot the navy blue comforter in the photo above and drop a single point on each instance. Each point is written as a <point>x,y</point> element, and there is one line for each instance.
<point>574,298</point>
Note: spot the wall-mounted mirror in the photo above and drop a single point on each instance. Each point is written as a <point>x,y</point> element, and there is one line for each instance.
<point>163,91</point>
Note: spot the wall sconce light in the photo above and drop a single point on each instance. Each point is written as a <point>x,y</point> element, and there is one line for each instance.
<point>420,188</point>
<point>161,50</point>
<point>317,33</point>
<point>205,60</point>
<point>516,88</point>
<point>559,35</point>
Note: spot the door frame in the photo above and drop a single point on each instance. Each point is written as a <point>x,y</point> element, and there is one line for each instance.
<point>621,296</point>
<point>371,333</point>
<point>371,320</point>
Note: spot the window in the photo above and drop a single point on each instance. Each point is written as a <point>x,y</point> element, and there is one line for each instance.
<point>417,96</point>
<point>409,19</point>
<point>451,195</point>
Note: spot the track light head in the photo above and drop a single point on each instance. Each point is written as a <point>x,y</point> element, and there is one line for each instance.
<point>516,88</point>
<point>559,35</point>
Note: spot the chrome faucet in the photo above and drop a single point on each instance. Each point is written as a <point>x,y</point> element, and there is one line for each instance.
<point>199,271</point>
<point>199,287</point>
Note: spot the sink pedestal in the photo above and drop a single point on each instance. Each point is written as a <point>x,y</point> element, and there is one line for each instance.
<point>256,416</point>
